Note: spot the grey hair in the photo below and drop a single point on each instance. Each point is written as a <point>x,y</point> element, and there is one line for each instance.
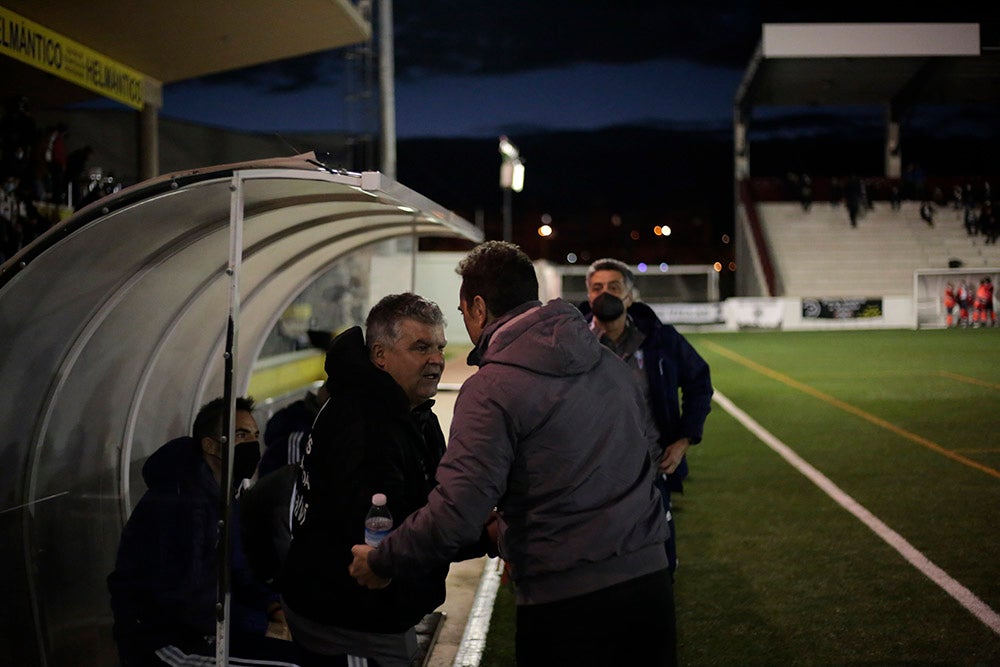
<point>382,325</point>
<point>608,264</point>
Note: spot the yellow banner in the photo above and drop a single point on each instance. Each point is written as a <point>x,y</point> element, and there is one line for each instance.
<point>46,50</point>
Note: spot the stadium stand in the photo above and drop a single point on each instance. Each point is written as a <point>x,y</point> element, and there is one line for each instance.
<point>818,254</point>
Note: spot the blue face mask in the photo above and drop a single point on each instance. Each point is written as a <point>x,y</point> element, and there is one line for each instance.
<point>607,307</point>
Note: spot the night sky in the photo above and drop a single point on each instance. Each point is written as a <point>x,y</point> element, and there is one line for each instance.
<point>622,109</point>
<point>476,69</point>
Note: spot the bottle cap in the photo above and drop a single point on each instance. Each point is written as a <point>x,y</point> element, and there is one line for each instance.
<point>378,499</point>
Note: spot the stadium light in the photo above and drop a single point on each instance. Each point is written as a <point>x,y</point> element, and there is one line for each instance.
<point>511,180</point>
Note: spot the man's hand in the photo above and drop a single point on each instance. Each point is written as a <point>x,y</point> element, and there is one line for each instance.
<point>673,455</point>
<point>277,626</point>
<point>278,629</point>
<point>361,571</point>
<point>491,532</point>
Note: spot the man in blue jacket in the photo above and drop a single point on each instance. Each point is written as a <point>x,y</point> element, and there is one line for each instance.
<point>674,377</point>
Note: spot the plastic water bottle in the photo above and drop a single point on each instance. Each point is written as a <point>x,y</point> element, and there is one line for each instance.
<point>378,523</point>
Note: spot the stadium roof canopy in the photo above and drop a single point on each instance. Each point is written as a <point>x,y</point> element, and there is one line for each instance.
<point>177,40</point>
<point>898,65</point>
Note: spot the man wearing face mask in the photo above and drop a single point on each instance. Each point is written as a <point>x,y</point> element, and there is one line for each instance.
<point>664,364</point>
<point>164,585</point>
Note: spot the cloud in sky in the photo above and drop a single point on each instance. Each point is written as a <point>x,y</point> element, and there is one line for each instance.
<point>582,96</point>
<point>475,68</point>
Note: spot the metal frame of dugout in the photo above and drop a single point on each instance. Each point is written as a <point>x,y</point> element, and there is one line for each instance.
<point>117,324</point>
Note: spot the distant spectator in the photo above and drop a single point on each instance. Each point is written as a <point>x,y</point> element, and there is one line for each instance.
<point>17,139</point>
<point>968,195</point>
<point>50,165</point>
<point>988,222</point>
<point>895,196</point>
<point>76,176</point>
<point>836,191</point>
<point>914,181</point>
<point>927,213</point>
<point>791,186</point>
<point>805,192</point>
<point>971,222</point>
<point>854,197</point>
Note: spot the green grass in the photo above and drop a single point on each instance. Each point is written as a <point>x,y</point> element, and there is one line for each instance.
<point>772,570</point>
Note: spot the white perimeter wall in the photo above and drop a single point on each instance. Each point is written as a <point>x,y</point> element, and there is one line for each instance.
<point>787,313</point>
<point>436,280</point>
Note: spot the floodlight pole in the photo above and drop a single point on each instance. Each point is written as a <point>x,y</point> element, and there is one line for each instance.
<point>507,214</point>
<point>511,180</point>
<point>387,89</point>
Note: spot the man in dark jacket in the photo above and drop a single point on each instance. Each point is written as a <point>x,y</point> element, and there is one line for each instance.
<point>165,582</point>
<point>549,431</point>
<point>287,431</point>
<point>674,377</point>
<point>375,434</point>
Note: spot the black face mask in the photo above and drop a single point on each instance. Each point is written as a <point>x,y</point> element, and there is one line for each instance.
<point>607,307</point>
<point>246,456</point>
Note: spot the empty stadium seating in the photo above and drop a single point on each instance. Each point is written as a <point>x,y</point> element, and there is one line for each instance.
<point>817,253</point>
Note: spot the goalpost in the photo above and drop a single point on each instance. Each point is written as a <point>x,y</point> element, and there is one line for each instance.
<point>653,284</point>
<point>928,291</point>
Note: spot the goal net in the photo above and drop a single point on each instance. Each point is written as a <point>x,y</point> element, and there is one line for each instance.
<point>928,292</point>
<point>674,284</point>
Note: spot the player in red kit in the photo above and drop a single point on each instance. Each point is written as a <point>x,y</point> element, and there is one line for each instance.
<point>949,304</point>
<point>984,314</point>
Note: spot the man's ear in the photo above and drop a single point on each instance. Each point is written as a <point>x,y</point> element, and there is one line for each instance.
<point>377,355</point>
<point>211,447</point>
<point>480,314</point>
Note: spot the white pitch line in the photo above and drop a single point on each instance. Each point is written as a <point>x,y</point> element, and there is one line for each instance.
<point>470,649</point>
<point>962,595</point>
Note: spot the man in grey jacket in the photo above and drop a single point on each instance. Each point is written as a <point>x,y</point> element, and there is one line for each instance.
<point>550,433</point>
